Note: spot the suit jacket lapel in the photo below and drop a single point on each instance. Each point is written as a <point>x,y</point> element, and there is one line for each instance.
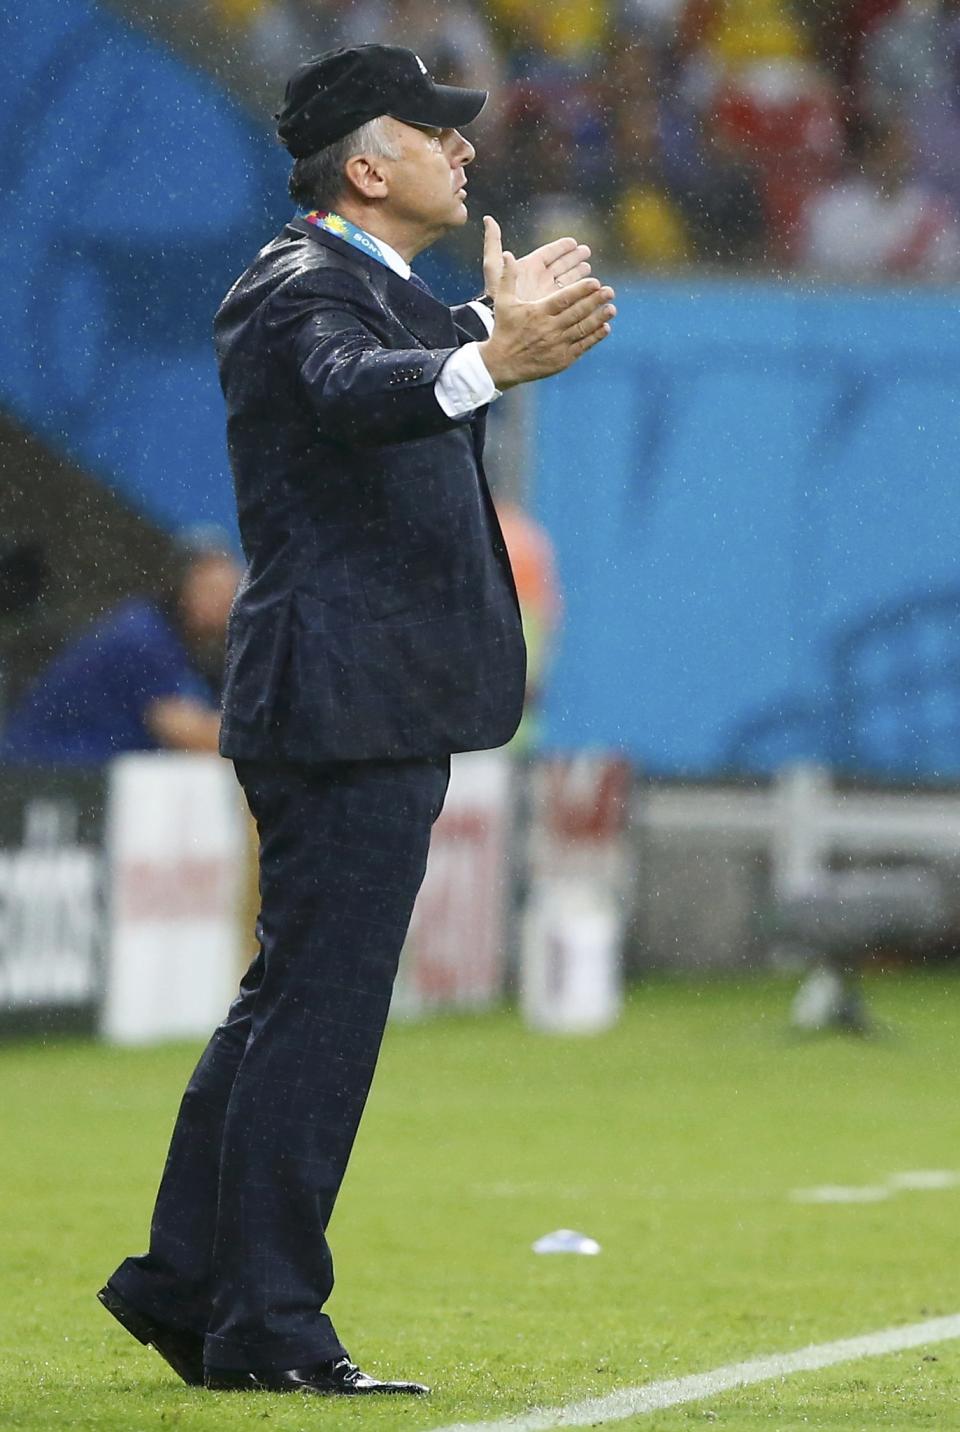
<point>420,313</point>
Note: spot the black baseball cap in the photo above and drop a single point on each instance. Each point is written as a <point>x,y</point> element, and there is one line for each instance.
<point>334,94</point>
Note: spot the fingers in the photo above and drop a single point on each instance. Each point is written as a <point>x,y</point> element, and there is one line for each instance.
<point>583,345</point>
<point>587,308</point>
<point>582,270</point>
<point>600,318</point>
<point>571,265</point>
<point>551,254</point>
<point>492,254</point>
<point>508,280</point>
<point>570,294</point>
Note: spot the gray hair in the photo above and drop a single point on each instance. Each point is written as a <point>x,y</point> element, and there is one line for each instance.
<point>317,180</point>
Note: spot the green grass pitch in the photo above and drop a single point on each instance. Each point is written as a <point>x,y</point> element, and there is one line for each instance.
<point>675,1140</point>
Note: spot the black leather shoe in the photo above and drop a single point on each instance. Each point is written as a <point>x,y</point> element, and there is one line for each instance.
<point>183,1350</point>
<point>341,1378</point>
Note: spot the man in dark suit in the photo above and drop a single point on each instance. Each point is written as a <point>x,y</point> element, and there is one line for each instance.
<point>375,631</point>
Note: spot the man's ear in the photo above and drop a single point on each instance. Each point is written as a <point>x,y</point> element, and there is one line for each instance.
<point>366,177</point>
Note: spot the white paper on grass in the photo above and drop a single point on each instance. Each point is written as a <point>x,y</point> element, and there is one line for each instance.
<point>566,1240</point>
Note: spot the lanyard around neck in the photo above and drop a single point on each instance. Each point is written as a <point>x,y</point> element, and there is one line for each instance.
<point>343,229</point>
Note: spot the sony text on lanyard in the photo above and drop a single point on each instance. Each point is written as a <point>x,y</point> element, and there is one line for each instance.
<point>343,229</point>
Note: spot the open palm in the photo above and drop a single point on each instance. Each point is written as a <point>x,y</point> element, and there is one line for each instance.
<point>552,266</point>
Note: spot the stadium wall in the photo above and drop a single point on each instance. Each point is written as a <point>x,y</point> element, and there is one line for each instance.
<point>132,191</point>
<point>753,492</point>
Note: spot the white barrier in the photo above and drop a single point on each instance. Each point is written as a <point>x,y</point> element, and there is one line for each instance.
<point>175,853</point>
<point>51,917</point>
<point>176,834</point>
<point>802,819</point>
<point>571,980</point>
<point>571,976</point>
<point>454,954</point>
<point>122,894</point>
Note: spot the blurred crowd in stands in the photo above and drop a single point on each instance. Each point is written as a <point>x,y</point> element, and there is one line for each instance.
<point>818,136</point>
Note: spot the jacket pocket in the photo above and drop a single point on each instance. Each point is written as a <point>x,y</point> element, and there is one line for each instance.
<point>257,660</point>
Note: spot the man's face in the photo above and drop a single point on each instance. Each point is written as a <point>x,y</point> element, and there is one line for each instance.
<point>428,182</point>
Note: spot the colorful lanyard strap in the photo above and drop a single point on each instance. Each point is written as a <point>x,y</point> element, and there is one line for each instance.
<point>343,229</point>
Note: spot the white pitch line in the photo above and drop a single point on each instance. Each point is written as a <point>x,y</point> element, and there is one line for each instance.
<point>654,1396</point>
<point>925,1179</point>
<point>838,1193</point>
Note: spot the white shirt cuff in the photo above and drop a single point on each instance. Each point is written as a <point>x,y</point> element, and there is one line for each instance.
<point>484,311</point>
<point>463,382</point>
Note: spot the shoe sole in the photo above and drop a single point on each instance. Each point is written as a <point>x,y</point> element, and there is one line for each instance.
<point>255,1387</point>
<point>145,1332</point>
<point>251,1382</point>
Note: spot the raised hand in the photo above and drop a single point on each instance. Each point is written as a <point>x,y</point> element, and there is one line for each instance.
<point>534,338</point>
<point>553,265</point>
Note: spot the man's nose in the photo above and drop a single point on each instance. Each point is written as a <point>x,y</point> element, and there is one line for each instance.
<point>464,152</point>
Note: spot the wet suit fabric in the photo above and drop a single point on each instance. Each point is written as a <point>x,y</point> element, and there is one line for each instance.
<point>238,1248</point>
<point>375,632</point>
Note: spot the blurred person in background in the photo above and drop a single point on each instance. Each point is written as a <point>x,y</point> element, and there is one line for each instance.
<point>781,115</point>
<point>450,36</point>
<point>566,32</point>
<point>682,191</point>
<point>376,631</point>
<point>717,192</point>
<point>722,203</point>
<point>837,35</point>
<point>880,222</point>
<point>144,678</point>
<point>278,33</point>
<point>534,568</point>
<point>649,223</point>
<point>910,80</point>
<point>905,57</point>
<point>657,22</point>
<point>736,33</point>
<point>650,226</point>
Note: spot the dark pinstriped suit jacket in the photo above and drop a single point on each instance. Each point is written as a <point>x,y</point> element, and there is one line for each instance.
<point>377,617</point>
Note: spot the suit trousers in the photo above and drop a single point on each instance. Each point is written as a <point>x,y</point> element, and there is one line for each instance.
<point>238,1248</point>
